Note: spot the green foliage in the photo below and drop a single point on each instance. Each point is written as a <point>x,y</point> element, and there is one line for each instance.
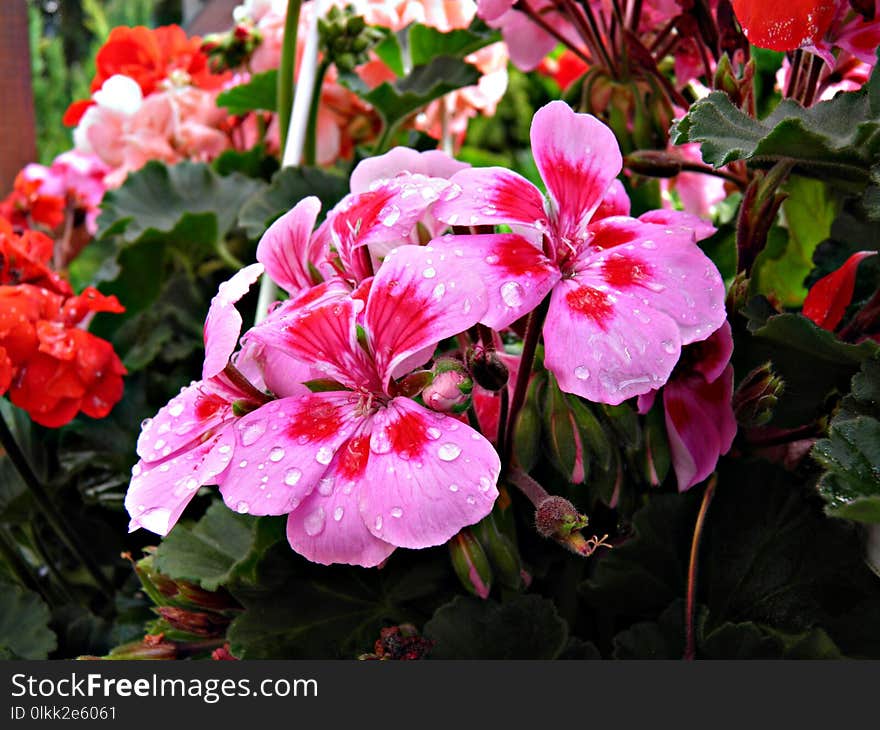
<point>524,627</point>
<point>24,624</point>
<point>258,94</point>
<point>851,453</point>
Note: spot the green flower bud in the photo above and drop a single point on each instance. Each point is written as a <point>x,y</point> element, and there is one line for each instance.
<point>470,563</point>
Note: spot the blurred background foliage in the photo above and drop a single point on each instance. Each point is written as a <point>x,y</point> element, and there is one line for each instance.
<point>64,37</point>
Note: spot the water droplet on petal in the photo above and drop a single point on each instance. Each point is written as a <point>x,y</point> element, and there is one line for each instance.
<point>669,346</point>
<point>396,512</point>
<point>389,215</point>
<point>191,483</point>
<point>380,443</point>
<point>448,452</point>
<point>337,513</point>
<point>276,454</point>
<point>453,487</point>
<point>314,523</point>
<point>581,372</point>
<point>470,500</point>
<point>325,486</point>
<point>491,259</point>
<point>242,508</point>
<point>243,463</point>
<point>292,476</point>
<point>429,273</point>
<point>252,431</point>
<point>433,433</point>
<point>439,291</point>
<point>324,455</point>
<point>512,294</point>
<point>378,523</point>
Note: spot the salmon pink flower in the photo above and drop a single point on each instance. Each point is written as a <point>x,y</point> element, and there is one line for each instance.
<point>625,293</point>
<point>700,422</point>
<point>364,469</point>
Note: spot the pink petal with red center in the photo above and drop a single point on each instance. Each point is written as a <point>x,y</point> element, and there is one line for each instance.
<point>828,298</point>
<point>327,527</point>
<point>606,346</point>
<point>428,476</point>
<point>615,202</point>
<point>286,248</point>
<point>283,449</point>
<point>661,269</point>
<point>700,425</point>
<point>517,276</point>
<point>415,302</point>
<point>490,196</point>
<point>160,491</point>
<point>223,324</point>
<point>578,157</point>
<point>321,335</point>
<point>198,409</point>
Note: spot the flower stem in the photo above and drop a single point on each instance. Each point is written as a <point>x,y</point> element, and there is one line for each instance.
<point>17,565</point>
<point>690,649</point>
<point>56,519</point>
<point>286,69</point>
<point>530,343</point>
<point>528,486</point>
<point>311,144</point>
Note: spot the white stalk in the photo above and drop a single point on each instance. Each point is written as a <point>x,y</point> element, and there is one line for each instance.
<point>296,132</point>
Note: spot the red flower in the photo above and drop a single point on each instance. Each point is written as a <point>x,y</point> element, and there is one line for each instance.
<point>24,260</point>
<point>784,26</point>
<point>51,367</point>
<point>150,57</point>
<point>25,205</point>
<point>827,300</point>
<point>565,69</point>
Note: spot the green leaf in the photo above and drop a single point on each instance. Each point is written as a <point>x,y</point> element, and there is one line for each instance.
<point>851,453</point>
<point>396,101</point>
<point>258,94</point>
<point>755,641</point>
<point>255,162</point>
<point>789,341</point>
<point>185,198</point>
<point>661,639</point>
<point>837,139</point>
<point>24,624</point>
<point>210,552</point>
<point>525,627</point>
<point>426,43</point>
<point>290,185</point>
<point>783,266</point>
<point>297,609</point>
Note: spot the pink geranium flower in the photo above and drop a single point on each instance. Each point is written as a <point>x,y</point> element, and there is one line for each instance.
<point>700,422</point>
<point>363,468</point>
<point>189,443</point>
<point>625,293</point>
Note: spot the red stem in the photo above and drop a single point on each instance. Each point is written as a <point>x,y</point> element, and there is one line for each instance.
<point>690,649</point>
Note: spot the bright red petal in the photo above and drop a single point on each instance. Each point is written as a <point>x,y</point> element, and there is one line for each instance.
<point>829,297</point>
<point>784,26</point>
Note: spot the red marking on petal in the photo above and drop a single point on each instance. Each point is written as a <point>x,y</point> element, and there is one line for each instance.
<point>353,457</point>
<point>829,297</point>
<point>624,271</point>
<point>321,422</point>
<point>591,303</point>
<point>611,236</point>
<point>208,404</point>
<point>516,256</point>
<point>407,435</point>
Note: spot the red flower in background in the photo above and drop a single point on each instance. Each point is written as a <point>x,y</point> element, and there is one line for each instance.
<point>784,26</point>
<point>24,260</point>
<point>150,57</point>
<point>26,205</point>
<point>51,367</point>
<point>827,300</point>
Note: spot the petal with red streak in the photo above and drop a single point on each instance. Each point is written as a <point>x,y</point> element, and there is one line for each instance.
<point>578,157</point>
<point>828,298</point>
<point>415,302</point>
<point>490,196</point>
<point>283,449</point>
<point>286,247</point>
<point>428,476</point>
<point>517,275</point>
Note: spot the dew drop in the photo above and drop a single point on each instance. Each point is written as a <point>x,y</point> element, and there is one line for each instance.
<point>433,433</point>
<point>581,372</point>
<point>378,523</point>
<point>292,476</point>
<point>390,215</point>
<point>512,294</point>
<point>439,291</point>
<point>242,508</point>
<point>337,513</point>
<point>242,464</point>
<point>276,454</point>
<point>324,455</point>
<point>668,346</point>
<point>159,444</point>
<point>429,273</point>
<point>471,500</point>
<point>491,259</point>
<point>250,432</point>
<point>448,452</point>
<point>396,512</point>
<point>325,486</point>
<point>380,443</point>
<point>314,523</point>
<point>453,487</point>
<point>191,483</point>
<point>485,484</point>
<point>175,410</point>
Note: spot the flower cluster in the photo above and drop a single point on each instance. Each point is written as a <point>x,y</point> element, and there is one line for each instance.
<point>49,364</point>
<point>323,415</point>
<point>153,97</point>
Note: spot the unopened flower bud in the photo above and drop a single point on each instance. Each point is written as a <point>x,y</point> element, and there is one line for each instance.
<point>487,369</point>
<point>757,395</point>
<point>151,647</point>
<point>194,622</point>
<point>450,391</point>
<point>556,517</point>
<point>653,163</point>
<point>501,551</point>
<point>471,564</point>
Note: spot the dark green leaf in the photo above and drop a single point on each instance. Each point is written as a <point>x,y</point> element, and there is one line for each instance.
<point>288,187</point>
<point>24,624</point>
<point>663,639</point>
<point>255,162</point>
<point>524,627</point>
<point>258,94</point>
<point>427,43</point>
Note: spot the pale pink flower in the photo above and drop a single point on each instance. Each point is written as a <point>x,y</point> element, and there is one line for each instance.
<point>625,294</point>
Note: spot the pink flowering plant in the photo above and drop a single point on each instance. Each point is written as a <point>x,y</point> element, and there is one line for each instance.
<point>445,315</point>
